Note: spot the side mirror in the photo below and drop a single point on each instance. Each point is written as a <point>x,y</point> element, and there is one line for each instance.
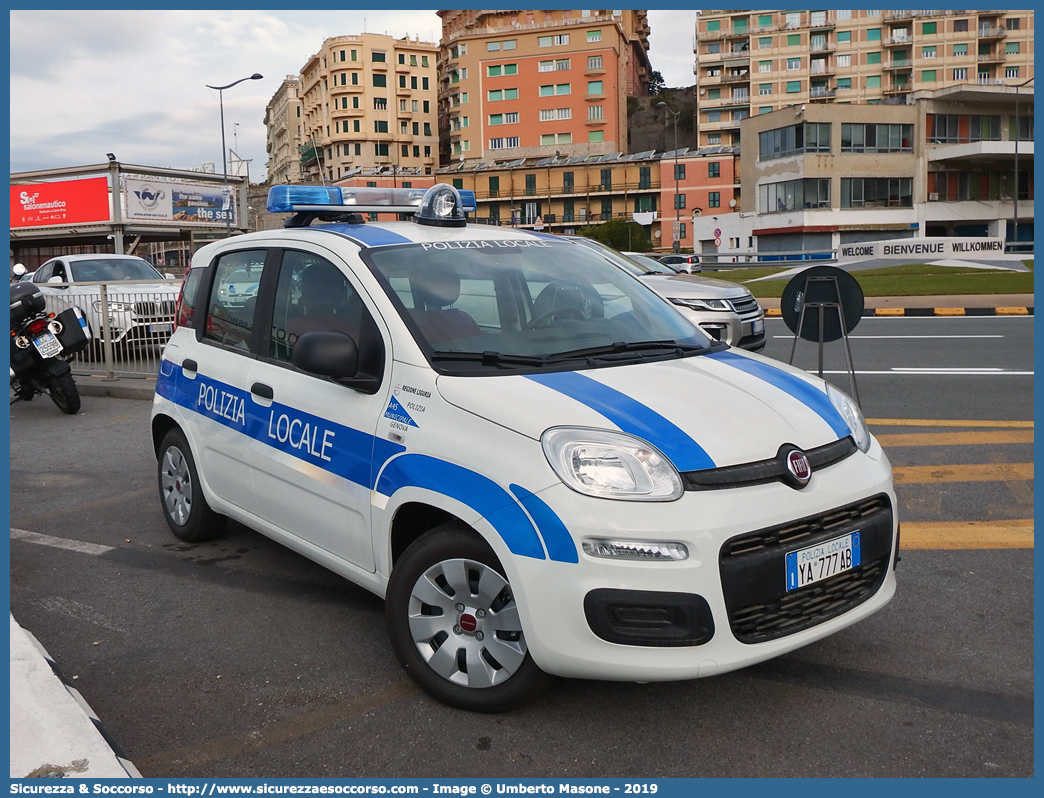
<point>169,276</point>
<point>55,279</point>
<point>328,353</point>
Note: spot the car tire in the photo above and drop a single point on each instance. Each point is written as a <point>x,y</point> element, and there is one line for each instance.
<point>181,495</point>
<point>454,625</point>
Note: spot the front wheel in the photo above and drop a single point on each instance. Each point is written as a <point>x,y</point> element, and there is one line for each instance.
<point>63,392</point>
<point>181,496</point>
<point>454,624</point>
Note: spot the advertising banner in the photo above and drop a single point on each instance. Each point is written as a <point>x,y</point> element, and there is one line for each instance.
<point>923,248</point>
<point>61,203</point>
<point>178,201</point>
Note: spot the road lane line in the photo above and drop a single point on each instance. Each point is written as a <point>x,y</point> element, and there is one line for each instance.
<point>923,422</point>
<point>990,472</point>
<point>955,438</point>
<point>967,535</point>
<point>59,543</point>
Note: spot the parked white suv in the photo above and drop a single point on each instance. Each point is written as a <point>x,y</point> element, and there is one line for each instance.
<point>541,466</point>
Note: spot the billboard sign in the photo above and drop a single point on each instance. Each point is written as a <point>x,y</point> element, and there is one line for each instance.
<point>923,250</point>
<point>61,203</point>
<point>179,202</point>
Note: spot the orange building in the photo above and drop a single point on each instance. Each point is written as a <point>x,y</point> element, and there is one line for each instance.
<point>700,183</point>
<point>518,84</point>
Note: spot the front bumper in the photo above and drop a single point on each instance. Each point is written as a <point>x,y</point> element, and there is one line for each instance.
<point>729,607</point>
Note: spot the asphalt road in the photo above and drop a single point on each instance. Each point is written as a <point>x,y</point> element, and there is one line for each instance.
<point>238,658</point>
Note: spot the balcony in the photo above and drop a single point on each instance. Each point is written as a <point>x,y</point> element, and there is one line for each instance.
<point>818,93</point>
<point>821,67</point>
<point>992,33</point>
<point>990,58</point>
<point>828,47</point>
<point>899,63</point>
<point>898,40</point>
<point>897,89</point>
<point>742,77</point>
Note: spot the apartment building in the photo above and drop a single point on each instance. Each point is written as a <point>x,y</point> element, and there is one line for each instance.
<point>521,84</point>
<point>368,101</point>
<point>756,62</point>
<point>283,125</point>
<point>696,182</point>
<point>954,162</point>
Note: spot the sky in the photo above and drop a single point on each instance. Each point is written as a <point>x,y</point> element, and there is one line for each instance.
<point>134,83</point>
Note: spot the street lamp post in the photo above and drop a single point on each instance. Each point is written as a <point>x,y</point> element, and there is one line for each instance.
<point>1015,192</point>
<point>676,244</point>
<point>224,155</point>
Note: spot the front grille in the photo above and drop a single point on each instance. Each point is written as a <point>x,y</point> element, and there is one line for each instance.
<point>154,311</point>
<point>753,571</point>
<point>744,305</point>
<point>762,471</point>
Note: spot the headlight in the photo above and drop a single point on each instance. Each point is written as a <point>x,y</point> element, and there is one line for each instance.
<point>114,307</point>
<point>703,304</point>
<point>610,465</point>
<point>853,416</point>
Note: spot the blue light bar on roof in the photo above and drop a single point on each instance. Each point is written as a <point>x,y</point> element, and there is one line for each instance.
<point>292,199</point>
<point>467,199</point>
<point>282,199</point>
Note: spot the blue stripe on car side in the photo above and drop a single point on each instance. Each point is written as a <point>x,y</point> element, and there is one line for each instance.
<point>557,540</point>
<point>630,416</point>
<point>809,395</point>
<point>483,495</point>
<point>349,453</point>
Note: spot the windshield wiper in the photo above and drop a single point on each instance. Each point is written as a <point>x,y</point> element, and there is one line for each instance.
<point>491,358</point>
<point>621,347</point>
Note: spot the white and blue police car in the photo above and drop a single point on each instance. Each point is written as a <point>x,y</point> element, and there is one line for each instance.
<point>541,465</point>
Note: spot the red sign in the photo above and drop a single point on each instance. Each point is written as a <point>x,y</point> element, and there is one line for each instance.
<point>64,202</point>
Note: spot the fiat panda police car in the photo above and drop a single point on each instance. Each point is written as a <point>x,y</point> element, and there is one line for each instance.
<point>542,466</point>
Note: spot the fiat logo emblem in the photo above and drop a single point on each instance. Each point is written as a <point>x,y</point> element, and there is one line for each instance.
<point>798,466</point>
<point>468,623</point>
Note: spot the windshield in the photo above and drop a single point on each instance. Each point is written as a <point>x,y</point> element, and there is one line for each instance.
<point>103,270</point>
<point>527,303</point>
<point>653,265</point>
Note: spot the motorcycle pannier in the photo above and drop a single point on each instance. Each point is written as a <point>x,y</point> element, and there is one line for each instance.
<point>26,300</point>
<point>74,334</point>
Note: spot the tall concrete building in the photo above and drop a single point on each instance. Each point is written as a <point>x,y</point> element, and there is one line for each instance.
<point>517,84</point>
<point>368,101</point>
<point>755,62</point>
<point>283,124</point>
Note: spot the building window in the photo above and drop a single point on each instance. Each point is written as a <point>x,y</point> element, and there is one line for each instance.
<point>380,104</point>
<point>402,82</point>
<point>873,82</point>
<point>713,48</point>
<point>402,58</point>
<point>595,112</point>
<point>356,126</point>
<point>679,201</point>
<point>561,64</point>
<point>713,139</point>
<point>871,192</point>
<point>551,114</point>
<point>595,136</point>
<point>380,127</point>
<point>714,169</point>
<point>492,47</point>
<point>1012,23</point>
<point>927,76</point>
<point>845,13</point>
<point>960,49</point>
<point>793,86</point>
<point>765,43</point>
<point>793,63</point>
<point>713,25</point>
<point>679,171</point>
<point>1011,72</point>
<point>714,199</point>
<point>714,116</point>
<point>960,26</point>
<point>380,81</point>
<point>377,57</point>
<point>594,87</point>
<point>928,52</point>
<point>508,44</point>
<point>1010,48</point>
<point>355,57</point>
<point>713,94</point>
<point>961,73</point>
<point>380,149</point>
<point>873,34</point>
<point>358,148</point>
<point>503,143</point>
<point>764,66</point>
<point>594,36</point>
<point>794,195</point>
<point>844,60</point>
<point>844,36</point>
<point>928,28</point>
<point>785,141</point>
<point>873,58</point>
<point>962,128</point>
<point>594,62</point>
<point>857,137</point>
<point>405,150</point>
<point>644,177</point>
<point>355,78</point>
<point>793,39</point>
<point>765,88</point>
<point>546,66</point>
<point>792,19</point>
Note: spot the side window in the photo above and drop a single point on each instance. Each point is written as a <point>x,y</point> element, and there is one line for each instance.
<point>312,294</point>
<point>43,273</point>
<point>233,294</point>
<point>189,296</point>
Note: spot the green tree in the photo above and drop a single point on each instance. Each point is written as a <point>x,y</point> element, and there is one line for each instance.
<point>620,234</point>
<point>655,82</point>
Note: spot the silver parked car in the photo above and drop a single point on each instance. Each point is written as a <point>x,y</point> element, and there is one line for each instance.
<point>139,302</point>
<point>725,311</point>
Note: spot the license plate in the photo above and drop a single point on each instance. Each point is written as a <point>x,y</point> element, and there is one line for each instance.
<point>47,345</point>
<point>159,328</point>
<point>757,326</point>
<point>819,562</point>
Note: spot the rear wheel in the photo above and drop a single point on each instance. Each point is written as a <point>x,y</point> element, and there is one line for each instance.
<point>184,506</point>
<point>63,392</point>
<point>454,624</point>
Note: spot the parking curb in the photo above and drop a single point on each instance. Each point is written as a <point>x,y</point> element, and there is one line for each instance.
<point>1015,311</point>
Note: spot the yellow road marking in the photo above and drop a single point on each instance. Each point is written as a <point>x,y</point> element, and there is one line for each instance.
<point>949,311</point>
<point>955,438</point>
<point>992,472</point>
<point>889,311</point>
<point>922,422</point>
<point>1012,311</point>
<point>967,535</point>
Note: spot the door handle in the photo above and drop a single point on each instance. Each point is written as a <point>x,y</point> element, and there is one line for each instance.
<point>189,365</point>
<point>262,390</point>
